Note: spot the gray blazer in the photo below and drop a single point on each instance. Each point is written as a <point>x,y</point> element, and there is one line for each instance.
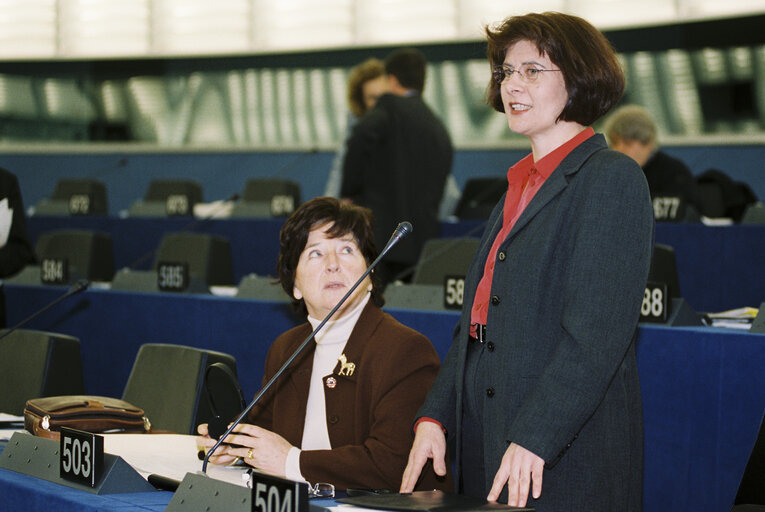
<point>567,289</point>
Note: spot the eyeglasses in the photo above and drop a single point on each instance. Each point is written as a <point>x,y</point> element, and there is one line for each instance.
<point>528,73</point>
<point>321,490</point>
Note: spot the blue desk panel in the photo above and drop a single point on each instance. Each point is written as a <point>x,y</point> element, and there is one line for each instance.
<point>719,267</point>
<point>703,388</point>
<point>25,493</point>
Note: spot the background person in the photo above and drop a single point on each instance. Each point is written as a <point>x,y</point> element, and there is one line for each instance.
<point>343,411</point>
<point>366,83</point>
<point>15,249</point>
<point>397,162</point>
<point>540,387</point>
<point>631,130</point>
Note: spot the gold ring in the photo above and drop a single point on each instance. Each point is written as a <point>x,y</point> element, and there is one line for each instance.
<point>249,453</point>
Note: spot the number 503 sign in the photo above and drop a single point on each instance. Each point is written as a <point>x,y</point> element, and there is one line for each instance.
<point>82,456</point>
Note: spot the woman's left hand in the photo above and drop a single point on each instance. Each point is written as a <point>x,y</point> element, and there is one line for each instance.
<point>260,448</point>
<point>519,469</point>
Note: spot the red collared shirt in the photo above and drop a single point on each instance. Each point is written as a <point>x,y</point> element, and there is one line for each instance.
<point>524,179</point>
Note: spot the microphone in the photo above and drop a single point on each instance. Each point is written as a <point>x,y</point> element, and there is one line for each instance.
<point>403,229</point>
<point>79,286</point>
<point>291,164</point>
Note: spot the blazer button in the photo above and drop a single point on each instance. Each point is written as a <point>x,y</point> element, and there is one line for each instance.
<point>494,300</point>
<point>501,255</point>
<point>490,392</point>
<point>333,419</point>
<point>490,346</point>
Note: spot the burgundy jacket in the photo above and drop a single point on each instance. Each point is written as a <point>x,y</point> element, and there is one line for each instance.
<point>369,413</point>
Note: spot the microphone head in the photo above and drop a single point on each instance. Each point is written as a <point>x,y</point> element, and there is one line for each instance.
<point>403,229</point>
<point>79,286</point>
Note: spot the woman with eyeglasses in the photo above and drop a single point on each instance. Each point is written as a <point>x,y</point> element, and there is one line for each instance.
<point>540,388</point>
<point>341,414</point>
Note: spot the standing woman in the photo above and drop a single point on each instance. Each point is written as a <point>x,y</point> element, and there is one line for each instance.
<point>540,387</point>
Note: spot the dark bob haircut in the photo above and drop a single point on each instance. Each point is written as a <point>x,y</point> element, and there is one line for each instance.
<point>319,211</point>
<point>593,76</point>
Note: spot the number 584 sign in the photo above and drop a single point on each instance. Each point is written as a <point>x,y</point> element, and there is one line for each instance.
<point>82,456</point>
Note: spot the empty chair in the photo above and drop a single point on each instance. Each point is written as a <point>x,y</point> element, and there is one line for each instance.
<point>443,257</point>
<point>755,214</point>
<point>75,197</point>
<point>208,256</point>
<point>253,286</point>
<point>68,255</point>
<point>479,197</point>
<point>268,197</point>
<point>167,382</point>
<point>36,364</point>
<point>664,269</point>
<point>168,198</point>
<point>427,297</point>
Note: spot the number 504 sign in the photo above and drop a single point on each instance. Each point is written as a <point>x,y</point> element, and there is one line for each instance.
<point>274,494</point>
<point>82,456</point>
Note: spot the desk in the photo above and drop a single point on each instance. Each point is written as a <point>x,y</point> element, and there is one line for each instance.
<point>719,267</point>
<point>703,388</point>
<point>21,492</point>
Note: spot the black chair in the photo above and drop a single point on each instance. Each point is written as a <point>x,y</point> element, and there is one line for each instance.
<point>268,197</point>
<point>36,364</point>
<point>208,256</point>
<point>424,297</point>
<point>168,198</point>
<point>751,490</point>
<point>664,269</point>
<point>479,197</point>
<point>77,253</point>
<point>75,197</point>
<point>167,382</point>
<point>443,257</point>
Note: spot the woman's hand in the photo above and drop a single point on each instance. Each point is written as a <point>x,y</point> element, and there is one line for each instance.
<point>519,469</point>
<point>260,448</point>
<point>429,443</point>
<point>205,442</point>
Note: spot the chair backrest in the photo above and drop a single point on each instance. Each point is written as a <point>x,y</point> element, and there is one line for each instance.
<point>664,269</point>
<point>82,196</point>
<point>443,257</point>
<point>253,286</point>
<point>268,197</point>
<point>755,214</point>
<point>174,197</point>
<point>479,197</point>
<point>36,364</point>
<point>167,382</point>
<point>208,256</point>
<point>88,254</point>
<point>427,297</point>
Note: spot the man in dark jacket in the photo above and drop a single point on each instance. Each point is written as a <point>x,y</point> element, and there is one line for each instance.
<point>15,249</point>
<point>398,159</point>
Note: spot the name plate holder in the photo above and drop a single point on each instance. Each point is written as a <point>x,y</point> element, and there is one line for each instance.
<point>41,458</point>
<point>268,494</point>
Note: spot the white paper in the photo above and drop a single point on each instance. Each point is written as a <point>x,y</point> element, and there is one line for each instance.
<point>169,455</point>
<point>6,219</point>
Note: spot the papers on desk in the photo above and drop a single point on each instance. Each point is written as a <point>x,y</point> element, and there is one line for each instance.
<point>740,318</point>
<point>169,455</point>
<point>6,219</point>
<point>10,424</point>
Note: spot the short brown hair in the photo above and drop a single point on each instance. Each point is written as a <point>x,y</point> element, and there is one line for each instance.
<point>345,218</point>
<point>593,76</point>
<point>361,74</point>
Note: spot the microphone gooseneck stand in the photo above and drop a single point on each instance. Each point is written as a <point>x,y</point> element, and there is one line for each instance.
<point>401,231</point>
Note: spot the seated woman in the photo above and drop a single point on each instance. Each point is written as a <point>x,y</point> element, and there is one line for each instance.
<point>342,412</point>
